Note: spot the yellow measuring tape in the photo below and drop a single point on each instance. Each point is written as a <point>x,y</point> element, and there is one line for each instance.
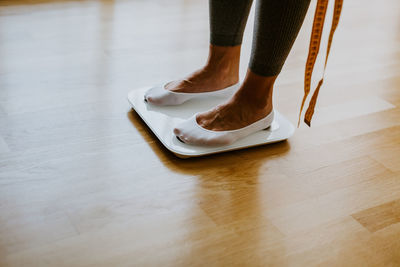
<point>315,40</point>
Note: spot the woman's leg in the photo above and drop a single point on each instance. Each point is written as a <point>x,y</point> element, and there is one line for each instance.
<point>227,23</point>
<point>277,24</point>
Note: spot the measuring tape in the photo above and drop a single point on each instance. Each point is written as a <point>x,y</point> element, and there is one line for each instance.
<point>315,41</point>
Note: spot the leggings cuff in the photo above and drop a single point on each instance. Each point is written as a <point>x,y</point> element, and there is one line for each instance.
<point>265,70</point>
<point>225,40</point>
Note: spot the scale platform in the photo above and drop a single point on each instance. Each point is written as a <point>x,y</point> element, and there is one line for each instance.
<point>162,120</point>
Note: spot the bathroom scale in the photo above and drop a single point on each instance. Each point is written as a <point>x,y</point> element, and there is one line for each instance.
<point>162,119</point>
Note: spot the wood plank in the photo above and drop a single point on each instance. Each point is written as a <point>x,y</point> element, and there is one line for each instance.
<point>379,217</point>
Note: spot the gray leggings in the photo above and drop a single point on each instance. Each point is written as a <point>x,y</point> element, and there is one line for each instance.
<point>277,23</point>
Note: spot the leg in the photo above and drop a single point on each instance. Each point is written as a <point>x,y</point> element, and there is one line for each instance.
<point>277,24</point>
<point>227,23</point>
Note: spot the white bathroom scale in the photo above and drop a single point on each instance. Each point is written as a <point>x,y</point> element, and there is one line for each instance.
<point>162,120</point>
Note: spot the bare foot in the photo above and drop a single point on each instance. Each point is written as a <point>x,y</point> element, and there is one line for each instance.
<point>252,102</point>
<point>220,71</point>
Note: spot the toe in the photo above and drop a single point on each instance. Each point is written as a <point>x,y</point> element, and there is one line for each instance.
<point>177,131</point>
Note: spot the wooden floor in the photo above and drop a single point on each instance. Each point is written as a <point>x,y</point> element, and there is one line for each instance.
<point>83,182</point>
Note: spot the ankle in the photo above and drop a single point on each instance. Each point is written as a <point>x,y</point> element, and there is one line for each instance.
<point>258,105</point>
<point>225,61</point>
<point>257,91</point>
